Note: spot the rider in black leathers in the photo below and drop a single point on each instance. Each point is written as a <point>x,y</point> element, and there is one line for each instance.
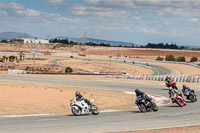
<point>185,89</point>
<point>143,95</point>
<point>79,97</point>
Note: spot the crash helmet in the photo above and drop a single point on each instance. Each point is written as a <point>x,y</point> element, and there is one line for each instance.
<point>77,93</point>
<point>137,91</point>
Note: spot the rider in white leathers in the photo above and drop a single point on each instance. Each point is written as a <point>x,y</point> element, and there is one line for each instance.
<point>79,97</point>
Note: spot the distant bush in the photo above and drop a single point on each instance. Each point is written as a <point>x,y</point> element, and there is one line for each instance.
<point>68,70</point>
<point>11,58</point>
<point>159,58</point>
<point>193,59</point>
<point>170,58</point>
<point>180,59</point>
<point>4,41</point>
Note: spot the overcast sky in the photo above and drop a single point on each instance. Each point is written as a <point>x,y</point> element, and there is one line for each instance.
<point>136,21</point>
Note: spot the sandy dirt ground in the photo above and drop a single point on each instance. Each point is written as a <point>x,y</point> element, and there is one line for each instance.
<point>183,69</point>
<point>192,129</point>
<point>144,53</point>
<point>106,67</point>
<point>18,98</point>
<point>43,63</point>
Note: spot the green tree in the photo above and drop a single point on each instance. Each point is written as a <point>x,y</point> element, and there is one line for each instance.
<point>21,56</point>
<point>11,58</point>
<point>170,58</point>
<point>159,58</point>
<point>193,59</point>
<point>4,41</point>
<point>180,59</point>
<point>68,70</point>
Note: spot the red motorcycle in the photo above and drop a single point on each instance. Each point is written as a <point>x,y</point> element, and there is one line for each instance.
<point>171,83</point>
<point>177,98</point>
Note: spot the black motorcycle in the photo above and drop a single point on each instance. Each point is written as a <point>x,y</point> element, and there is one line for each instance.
<point>145,105</point>
<point>190,95</point>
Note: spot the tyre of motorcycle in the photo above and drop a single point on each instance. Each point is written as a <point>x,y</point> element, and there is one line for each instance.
<point>154,107</point>
<point>76,110</point>
<point>142,107</point>
<point>192,98</point>
<point>178,101</point>
<point>95,110</point>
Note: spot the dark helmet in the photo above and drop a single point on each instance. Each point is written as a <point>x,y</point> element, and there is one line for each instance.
<point>77,93</point>
<point>184,86</point>
<point>137,91</point>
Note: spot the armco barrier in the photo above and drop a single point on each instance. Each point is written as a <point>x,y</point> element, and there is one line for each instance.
<point>11,71</point>
<point>179,78</point>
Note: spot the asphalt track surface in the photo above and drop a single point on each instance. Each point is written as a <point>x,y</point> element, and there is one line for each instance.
<point>163,70</point>
<point>168,116</point>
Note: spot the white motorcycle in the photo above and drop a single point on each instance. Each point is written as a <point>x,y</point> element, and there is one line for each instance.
<point>81,107</point>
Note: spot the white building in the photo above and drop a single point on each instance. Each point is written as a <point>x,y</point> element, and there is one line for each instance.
<point>29,40</point>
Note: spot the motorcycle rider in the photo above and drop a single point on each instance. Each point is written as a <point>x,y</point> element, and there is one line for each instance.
<point>169,83</point>
<point>185,89</point>
<point>143,95</point>
<point>79,97</point>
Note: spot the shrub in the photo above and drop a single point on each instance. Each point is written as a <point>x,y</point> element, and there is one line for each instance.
<point>11,58</point>
<point>170,58</point>
<point>159,58</point>
<point>4,41</point>
<point>180,59</point>
<point>193,59</point>
<point>68,70</point>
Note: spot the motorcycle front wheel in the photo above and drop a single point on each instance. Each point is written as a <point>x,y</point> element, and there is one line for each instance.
<point>95,110</point>
<point>178,101</point>
<point>76,110</point>
<point>192,98</point>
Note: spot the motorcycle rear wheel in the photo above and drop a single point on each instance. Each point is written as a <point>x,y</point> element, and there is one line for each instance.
<point>142,107</point>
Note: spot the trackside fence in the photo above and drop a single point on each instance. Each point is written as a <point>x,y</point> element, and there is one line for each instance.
<point>176,78</point>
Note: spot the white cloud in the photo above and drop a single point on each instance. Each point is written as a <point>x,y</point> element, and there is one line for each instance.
<point>28,12</point>
<point>14,6</point>
<point>178,12</point>
<point>145,30</point>
<point>194,20</point>
<point>167,3</point>
<point>57,2</point>
<point>11,5</point>
<point>3,13</point>
<point>110,3</point>
<point>93,11</point>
